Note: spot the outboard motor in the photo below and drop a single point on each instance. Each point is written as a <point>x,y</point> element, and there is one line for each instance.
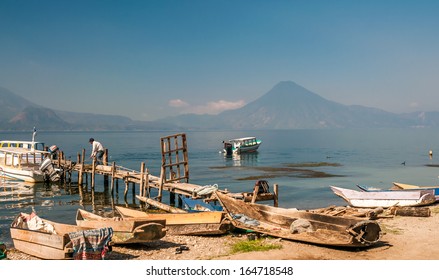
<point>53,151</point>
<point>49,170</point>
<point>228,148</point>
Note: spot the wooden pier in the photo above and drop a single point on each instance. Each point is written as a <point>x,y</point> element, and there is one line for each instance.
<point>174,175</point>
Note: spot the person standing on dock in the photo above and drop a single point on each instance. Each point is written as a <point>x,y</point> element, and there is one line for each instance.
<point>97,150</point>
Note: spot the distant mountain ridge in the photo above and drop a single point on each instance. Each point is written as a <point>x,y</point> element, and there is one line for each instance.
<point>286,106</point>
<point>290,106</point>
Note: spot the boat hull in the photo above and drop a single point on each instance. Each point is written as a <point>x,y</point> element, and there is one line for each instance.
<point>194,223</point>
<point>401,186</point>
<point>385,199</point>
<point>42,244</point>
<point>279,222</point>
<point>125,231</point>
<point>23,175</point>
<point>241,145</point>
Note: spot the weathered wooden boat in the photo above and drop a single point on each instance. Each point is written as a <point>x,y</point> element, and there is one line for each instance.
<point>241,145</point>
<point>385,199</point>
<point>193,223</point>
<point>125,231</point>
<point>54,241</point>
<point>302,226</point>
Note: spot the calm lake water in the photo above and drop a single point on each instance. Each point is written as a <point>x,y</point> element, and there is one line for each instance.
<point>369,157</point>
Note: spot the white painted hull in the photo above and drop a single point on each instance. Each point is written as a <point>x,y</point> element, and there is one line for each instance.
<point>15,174</point>
<point>246,149</point>
<point>373,199</point>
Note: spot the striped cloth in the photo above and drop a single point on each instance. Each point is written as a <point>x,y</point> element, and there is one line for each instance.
<point>91,244</point>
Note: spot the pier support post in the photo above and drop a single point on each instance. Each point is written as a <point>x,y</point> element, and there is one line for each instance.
<point>78,160</point>
<point>113,172</point>
<point>93,170</point>
<point>276,195</point>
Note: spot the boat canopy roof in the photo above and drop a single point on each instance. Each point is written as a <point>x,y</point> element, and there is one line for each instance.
<point>22,151</point>
<point>22,144</point>
<point>242,139</point>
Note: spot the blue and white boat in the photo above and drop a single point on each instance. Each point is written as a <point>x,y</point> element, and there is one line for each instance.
<point>241,145</point>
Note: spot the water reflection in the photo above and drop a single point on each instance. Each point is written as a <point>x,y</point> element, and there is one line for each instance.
<point>14,194</point>
<point>16,191</point>
<point>246,159</point>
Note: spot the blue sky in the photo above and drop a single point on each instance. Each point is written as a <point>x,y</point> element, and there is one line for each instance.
<point>151,59</point>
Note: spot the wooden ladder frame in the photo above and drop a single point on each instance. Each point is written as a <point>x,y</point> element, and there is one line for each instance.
<point>175,164</point>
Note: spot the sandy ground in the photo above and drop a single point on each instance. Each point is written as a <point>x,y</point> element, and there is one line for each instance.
<point>404,238</point>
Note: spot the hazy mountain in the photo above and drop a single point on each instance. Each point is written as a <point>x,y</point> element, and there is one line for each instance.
<point>290,106</point>
<point>12,104</point>
<point>286,106</point>
<point>18,113</point>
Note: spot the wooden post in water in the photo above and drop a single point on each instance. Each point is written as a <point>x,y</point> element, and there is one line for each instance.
<point>276,195</point>
<point>105,162</point>
<point>113,172</point>
<point>134,189</point>
<point>142,179</point>
<point>61,157</point>
<point>105,157</point>
<point>93,170</point>
<point>127,182</point>
<point>80,170</point>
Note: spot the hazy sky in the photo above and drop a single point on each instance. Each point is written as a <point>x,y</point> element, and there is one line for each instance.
<point>150,59</point>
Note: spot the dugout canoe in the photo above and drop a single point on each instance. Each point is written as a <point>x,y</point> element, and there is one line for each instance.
<point>191,223</point>
<point>125,231</point>
<point>299,225</point>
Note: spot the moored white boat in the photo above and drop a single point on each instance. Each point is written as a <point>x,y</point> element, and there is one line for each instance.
<point>241,145</point>
<point>25,161</point>
<point>385,199</point>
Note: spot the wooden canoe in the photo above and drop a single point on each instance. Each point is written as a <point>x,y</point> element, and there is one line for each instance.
<point>125,231</point>
<point>193,223</point>
<point>50,245</point>
<point>316,228</point>
<point>385,199</point>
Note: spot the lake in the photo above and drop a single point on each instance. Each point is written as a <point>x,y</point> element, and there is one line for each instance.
<point>303,163</point>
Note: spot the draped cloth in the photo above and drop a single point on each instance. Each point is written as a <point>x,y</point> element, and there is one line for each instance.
<point>91,244</point>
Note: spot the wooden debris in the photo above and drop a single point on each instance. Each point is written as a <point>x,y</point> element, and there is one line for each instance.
<point>411,211</point>
<point>160,205</point>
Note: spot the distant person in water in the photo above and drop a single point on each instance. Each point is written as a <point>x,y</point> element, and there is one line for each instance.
<point>97,150</point>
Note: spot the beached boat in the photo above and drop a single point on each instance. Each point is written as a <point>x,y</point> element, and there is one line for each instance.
<point>302,226</point>
<point>125,231</point>
<point>241,145</point>
<point>385,199</point>
<point>27,161</point>
<point>193,223</point>
<point>46,239</point>
<point>412,187</point>
<point>401,186</point>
